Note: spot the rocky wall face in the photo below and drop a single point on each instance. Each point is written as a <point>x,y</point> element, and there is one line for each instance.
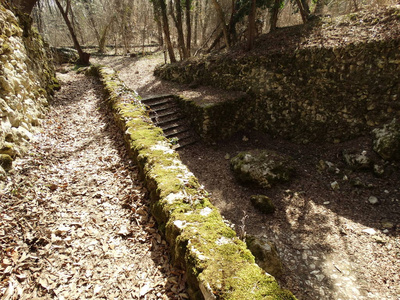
<point>26,81</point>
<point>313,94</point>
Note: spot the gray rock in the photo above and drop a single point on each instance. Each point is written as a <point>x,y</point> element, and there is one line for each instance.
<point>373,200</point>
<point>387,141</point>
<point>357,182</point>
<point>357,161</point>
<point>65,55</point>
<point>262,167</point>
<point>266,255</point>
<point>263,204</point>
<point>335,186</point>
<point>379,170</point>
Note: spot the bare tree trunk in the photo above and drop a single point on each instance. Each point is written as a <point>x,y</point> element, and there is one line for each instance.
<point>216,41</point>
<point>179,28</point>
<point>274,15</point>
<point>306,7</point>
<point>83,56</point>
<point>196,24</point>
<point>303,13</point>
<point>188,4</point>
<point>221,17</point>
<point>157,17</point>
<point>103,37</point>
<point>252,26</point>
<point>167,35</point>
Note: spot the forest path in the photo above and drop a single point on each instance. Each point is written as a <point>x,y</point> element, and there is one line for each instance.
<point>74,219</point>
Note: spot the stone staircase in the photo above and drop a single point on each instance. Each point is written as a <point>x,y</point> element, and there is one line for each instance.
<point>165,113</point>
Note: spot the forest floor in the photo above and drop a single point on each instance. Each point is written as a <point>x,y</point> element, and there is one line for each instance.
<point>334,244</point>
<point>74,218</point>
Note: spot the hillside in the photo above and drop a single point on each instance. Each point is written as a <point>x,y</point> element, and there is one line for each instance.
<point>377,24</point>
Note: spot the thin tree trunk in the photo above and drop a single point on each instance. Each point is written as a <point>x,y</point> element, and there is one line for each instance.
<point>306,7</point>
<point>179,28</point>
<point>103,37</point>
<point>157,17</point>
<point>274,15</point>
<point>303,13</point>
<point>252,26</point>
<point>232,24</point>
<point>167,36</point>
<point>221,17</point>
<point>188,27</point>
<point>196,25</point>
<point>83,56</point>
<point>216,41</point>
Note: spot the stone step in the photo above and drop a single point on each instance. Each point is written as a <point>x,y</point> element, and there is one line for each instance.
<point>185,142</point>
<point>165,113</point>
<point>156,98</point>
<point>175,131</point>
<point>167,119</point>
<point>164,105</point>
<point>174,124</point>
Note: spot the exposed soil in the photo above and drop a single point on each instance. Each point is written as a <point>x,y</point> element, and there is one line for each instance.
<point>334,244</point>
<point>74,218</point>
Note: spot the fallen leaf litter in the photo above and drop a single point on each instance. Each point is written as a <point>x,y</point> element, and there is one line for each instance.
<point>74,218</point>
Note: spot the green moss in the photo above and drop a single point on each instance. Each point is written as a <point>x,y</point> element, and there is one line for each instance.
<point>199,240</point>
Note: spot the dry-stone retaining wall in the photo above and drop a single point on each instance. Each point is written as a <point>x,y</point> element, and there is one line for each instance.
<point>218,264</point>
<point>315,93</point>
<point>26,81</point>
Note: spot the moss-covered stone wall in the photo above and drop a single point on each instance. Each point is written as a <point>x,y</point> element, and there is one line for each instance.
<point>218,264</point>
<point>216,121</point>
<point>309,94</point>
<point>27,79</point>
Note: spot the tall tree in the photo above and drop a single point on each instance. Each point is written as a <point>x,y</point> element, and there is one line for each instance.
<point>176,14</point>
<point>83,56</point>
<point>222,20</point>
<point>252,25</point>
<point>303,12</point>
<point>274,11</point>
<point>167,36</point>
<point>188,5</point>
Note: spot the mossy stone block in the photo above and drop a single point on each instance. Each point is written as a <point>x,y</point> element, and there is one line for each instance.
<point>262,167</point>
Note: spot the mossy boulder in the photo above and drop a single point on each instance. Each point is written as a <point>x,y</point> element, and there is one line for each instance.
<point>262,167</point>
<point>266,255</point>
<point>387,141</point>
<point>65,55</point>
<point>263,203</point>
<point>6,162</point>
